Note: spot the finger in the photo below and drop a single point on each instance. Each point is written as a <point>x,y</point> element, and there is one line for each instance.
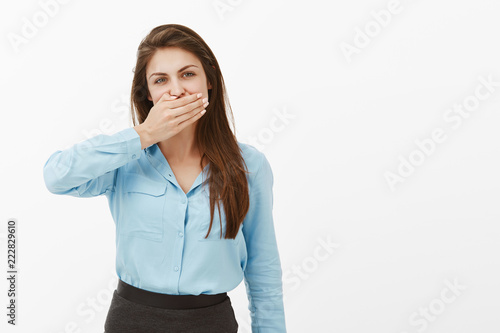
<point>173,104</point>
<point>189,109</point>
<point>191,119</point>
<point>184,113</point>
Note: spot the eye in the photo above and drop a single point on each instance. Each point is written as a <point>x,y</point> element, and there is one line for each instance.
<point>192,74</point>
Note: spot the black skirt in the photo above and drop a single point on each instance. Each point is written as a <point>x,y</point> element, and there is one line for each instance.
<point>130,316</point>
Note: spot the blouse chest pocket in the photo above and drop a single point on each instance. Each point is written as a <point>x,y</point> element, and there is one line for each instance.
<point>143,201</point>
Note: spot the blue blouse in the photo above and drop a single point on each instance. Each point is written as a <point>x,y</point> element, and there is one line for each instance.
<point>160,230</point>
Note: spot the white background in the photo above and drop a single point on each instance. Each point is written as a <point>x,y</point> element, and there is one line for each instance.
<point>349,121</point>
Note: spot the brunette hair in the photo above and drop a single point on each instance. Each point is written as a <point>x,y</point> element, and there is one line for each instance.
<point>227,169</point>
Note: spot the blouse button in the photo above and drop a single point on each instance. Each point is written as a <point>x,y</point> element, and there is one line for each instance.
<point>181,234</point>
<point>176,268</point>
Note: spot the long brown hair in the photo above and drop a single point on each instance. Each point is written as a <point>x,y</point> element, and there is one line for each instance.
<point>227,170</point>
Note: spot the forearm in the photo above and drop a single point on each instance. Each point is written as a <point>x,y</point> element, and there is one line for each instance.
<point>84,162</point>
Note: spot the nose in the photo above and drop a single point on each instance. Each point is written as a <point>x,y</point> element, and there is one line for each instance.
<point>175,89</point>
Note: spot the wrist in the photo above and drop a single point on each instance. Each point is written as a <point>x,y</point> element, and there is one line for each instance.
<point>145,135</point>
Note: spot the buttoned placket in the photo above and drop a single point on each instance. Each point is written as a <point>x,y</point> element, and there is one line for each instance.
<point>160,163</point>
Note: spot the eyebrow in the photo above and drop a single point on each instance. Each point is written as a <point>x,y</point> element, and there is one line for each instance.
<point>180,70</point>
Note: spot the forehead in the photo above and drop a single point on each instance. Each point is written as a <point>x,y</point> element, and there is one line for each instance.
<point>170,59</point>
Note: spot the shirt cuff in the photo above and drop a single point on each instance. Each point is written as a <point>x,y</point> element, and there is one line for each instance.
<point>133,141</point>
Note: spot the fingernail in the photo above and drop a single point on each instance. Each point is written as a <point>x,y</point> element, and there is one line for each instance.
<point>199,95</point>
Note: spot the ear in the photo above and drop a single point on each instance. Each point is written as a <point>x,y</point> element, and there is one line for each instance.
<point>209,85</point>
<point>149,97</point>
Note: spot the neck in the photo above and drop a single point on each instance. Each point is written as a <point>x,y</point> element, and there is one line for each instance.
<point>180,147</point>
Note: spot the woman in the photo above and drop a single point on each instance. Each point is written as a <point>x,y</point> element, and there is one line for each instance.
<point>163,178</point>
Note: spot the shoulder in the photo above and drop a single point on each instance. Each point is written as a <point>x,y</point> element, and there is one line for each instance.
<point>255,160</point>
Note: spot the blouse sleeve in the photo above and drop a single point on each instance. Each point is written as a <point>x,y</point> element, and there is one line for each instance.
<point>263,275</point>
<point>88,168</point>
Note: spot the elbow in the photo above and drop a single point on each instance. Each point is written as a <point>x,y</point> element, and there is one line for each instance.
<point>52,181</point>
